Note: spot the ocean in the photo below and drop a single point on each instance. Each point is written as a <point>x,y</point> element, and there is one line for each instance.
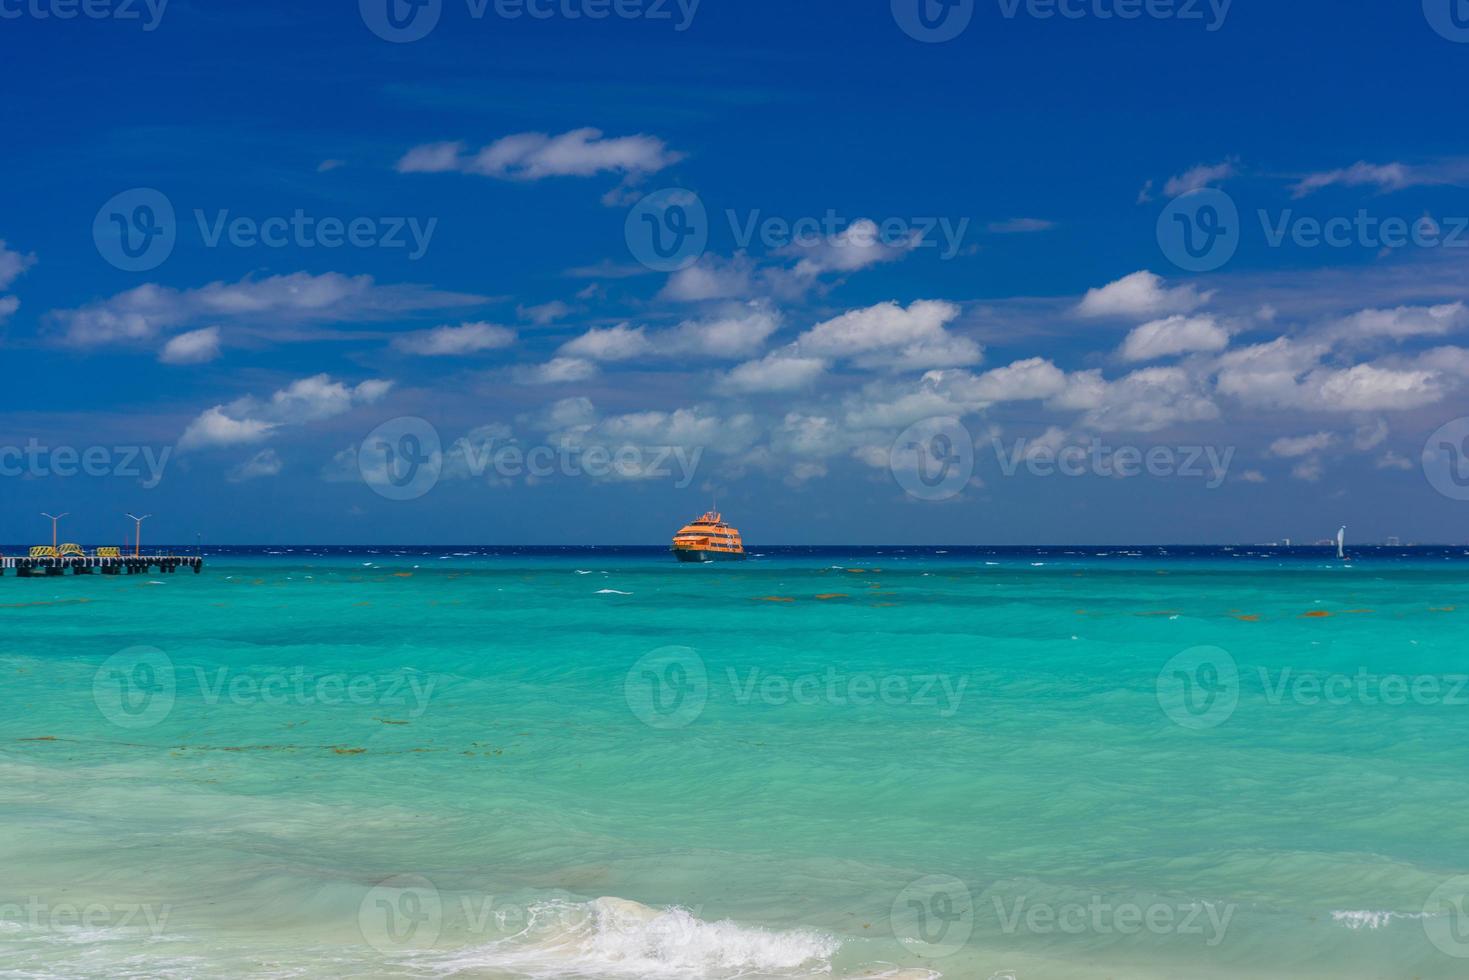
<point>840,763</point>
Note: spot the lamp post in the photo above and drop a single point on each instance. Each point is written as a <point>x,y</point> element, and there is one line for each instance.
<point>138,533</point>
<point>54,519</point>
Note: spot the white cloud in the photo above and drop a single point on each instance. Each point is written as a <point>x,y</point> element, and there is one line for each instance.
<point>1310,470</point>
<point>1293,447</point>
<point>1287,373</point>
<point>194,347</point>
<point>545,313</point>
<point>777,371</point>
<point>327,166</point>
<point>739,334</point>
<point>447,341</point>
<point>1141,294</point>
<point>712,278</point>
<point>887,335</point>
<point>558,370</point>
<point>1143,401</point>
<point>277,306</point>
<point>1198,178</point>
<point>262,464</point>
<point>1174,335</point>
<point>215,428</point>
<point>859,245</point>
<point>249,419</point>
<point>1405,321</point>
<point>13,264</point>
<point>534,156</point>
<point>618,343</point>
<point>1385,177</point>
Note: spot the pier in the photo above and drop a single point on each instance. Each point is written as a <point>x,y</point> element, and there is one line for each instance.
<point>50,565</point>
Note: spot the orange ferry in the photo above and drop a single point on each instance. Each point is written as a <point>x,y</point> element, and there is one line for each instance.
<point>708,539</point>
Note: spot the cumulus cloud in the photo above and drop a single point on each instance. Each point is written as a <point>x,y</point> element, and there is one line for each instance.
<point>1174,335</point>
<point>1287,373</point>
<point>558,370</point>
<point>1143,401</point>
<point>618,343</point>
<point>1405,321</point>
<point>859,245</point>
<point>534,156</point>
<point>891,336</point>
<point>251,420</point>
<point>194,347</point>
<point>1293,447</point>
<point>545,313</point>
<point>449,341</point>
<point>1141,294</point>
<point>276,307</point>
<point>13,265</point>
<point>740,333</point>
<point>777,371</point>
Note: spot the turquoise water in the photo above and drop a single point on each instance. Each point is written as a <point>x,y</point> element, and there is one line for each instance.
<point>611,765</point>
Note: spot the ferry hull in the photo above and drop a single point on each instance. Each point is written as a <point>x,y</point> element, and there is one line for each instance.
<point>695,555</point>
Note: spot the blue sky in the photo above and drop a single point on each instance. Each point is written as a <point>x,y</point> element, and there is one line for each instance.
<point>921,281</point>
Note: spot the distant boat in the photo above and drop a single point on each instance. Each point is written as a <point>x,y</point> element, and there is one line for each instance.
<point>708,539</point>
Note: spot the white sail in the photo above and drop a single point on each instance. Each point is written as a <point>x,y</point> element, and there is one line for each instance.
<point>1341,541</point>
